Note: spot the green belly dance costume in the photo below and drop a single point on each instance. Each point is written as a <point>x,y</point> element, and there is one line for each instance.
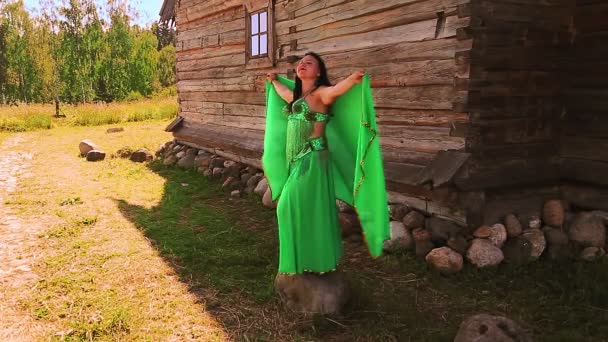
<point>307,175</point>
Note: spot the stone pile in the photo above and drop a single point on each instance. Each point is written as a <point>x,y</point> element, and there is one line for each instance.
<point>555,232</point>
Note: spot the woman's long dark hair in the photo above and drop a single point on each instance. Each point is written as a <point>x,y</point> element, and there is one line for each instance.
<point>322,80</point>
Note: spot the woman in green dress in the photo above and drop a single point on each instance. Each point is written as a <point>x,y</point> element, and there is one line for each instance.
<point>297,146</point>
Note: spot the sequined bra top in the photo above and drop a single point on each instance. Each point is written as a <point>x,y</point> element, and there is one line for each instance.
<point>300,124</point>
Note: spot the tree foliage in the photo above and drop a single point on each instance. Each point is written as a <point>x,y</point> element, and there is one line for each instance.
<point>79,52</point>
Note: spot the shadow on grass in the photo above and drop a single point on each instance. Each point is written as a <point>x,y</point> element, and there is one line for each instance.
<point>226,251</point>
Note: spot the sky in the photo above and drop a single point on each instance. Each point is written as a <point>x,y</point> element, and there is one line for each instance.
<point>147,9</point>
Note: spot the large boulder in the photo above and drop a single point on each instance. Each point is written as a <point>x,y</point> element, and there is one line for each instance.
<point>314,293</point>
<point>401,238</point>
<point>537,239</point>
<point>553,213</point>
<point>141,155</point>
<point>413,220</point>
<point>445,260</point>
<point>513,226</point>
<point>588,230</point>
<point>87,145</point>
<point>483,253</point>
<point>488,328</point>
<point>95,155</point>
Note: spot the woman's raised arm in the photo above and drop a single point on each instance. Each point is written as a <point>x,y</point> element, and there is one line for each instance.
<point>329,94</point>
<point>284,92</point>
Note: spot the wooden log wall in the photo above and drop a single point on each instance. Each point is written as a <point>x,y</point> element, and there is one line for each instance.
<point>584,141</point>
<point>515,92</point>
<point>409,47</point>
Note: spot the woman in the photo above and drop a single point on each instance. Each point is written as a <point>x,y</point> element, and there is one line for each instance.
<point>306,174</point>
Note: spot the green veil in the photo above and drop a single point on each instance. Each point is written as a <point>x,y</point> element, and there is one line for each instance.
<point>354,148</point>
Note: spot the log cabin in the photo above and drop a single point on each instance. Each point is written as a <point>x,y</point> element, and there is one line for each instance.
<point>485,107</point>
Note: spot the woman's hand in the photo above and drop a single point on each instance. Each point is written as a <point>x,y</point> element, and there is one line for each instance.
<point>357,76</point>
<point>271,76</point>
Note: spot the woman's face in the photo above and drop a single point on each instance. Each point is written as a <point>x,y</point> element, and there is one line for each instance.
<point>308,67</point>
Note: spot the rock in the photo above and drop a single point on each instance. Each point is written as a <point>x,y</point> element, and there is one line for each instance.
<point>251,170</point>
<point>114,129</point>
<point>177,148</point>
<point>208,173</point>
<point>216,162</point>
<point>482,232</point>
<point>513,226</point>
<point>555,237</point>
<point>349,222</point>
<point>482,253</point>
<point>95,155</point>
<point>87,145</point>
<point>487,328</point>
<point>141,155</point>
<point>217,172</point>
<point>235,194</point>
<point>314,293</point>
<point>537,239</point>
<point>253,181</point>
<point>458,243</point>
<point>230,181</point>
<point>498,235</point>
<point>601,214</point>
<point>592,254</point>
<point>261,188</point>
<point>441,230</point>
<point>191,151</point>
<point>187,162</point>
<point>517,250</point>
<point>397,211</point>
<point>422,241</point>
<point>588,230</point>
<point>232,168</point>
<point>534,222</point>
<point>202,160</point>
<point>180,154</point>
<point>413,220</point>
<point>170,160</point>
<point>343,207</point>
<point>267,199</point>
<point>245,177</point>
<point>401,238</point>
<point>445,260</point>
<point>553,213</point>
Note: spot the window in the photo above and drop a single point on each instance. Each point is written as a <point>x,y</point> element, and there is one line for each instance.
<point>258,38</point>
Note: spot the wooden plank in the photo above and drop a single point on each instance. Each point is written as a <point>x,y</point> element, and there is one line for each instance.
<point>412,73</point>
<point>415,32</point>
<point>396,116</point>
<point>225,84</point>
<point>509,173</point>
<point>420,138</point>
<point>425,97</point>
<point>227,15</point>
<point>253,98</point>
<point>442,168</point>
<point>586,197</point>
<point>584,170</point>
<point>236,59</point>
<point>582,147</point>
<point>209,29</point>
<point>207,8</point>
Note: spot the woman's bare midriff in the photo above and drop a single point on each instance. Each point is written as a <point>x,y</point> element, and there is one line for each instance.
<point>318,130</point>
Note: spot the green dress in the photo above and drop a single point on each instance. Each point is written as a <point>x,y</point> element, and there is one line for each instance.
<point>308,175</point>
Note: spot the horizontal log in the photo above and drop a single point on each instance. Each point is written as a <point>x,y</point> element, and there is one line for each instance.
<point>224,84</point>
<point>236,59</point>
<point>425,97</point>
<point>585,196</point>
<point>582,147</point>
<point>396,116</point>
<point>210,52</point>
<point>584,170</point>
<point>254,98</point>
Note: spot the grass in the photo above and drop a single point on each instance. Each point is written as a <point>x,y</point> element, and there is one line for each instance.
<point>148,252</point>
<point>33,117</point>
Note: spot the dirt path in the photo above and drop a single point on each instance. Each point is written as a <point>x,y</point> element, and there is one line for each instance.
<point>16,241</point>
<point>71,264</point>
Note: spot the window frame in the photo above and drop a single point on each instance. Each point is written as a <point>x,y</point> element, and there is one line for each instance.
<point>258,34</point>
<point>266,60</point>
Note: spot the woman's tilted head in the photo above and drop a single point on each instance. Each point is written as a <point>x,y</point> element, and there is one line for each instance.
<point>310,67</point>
